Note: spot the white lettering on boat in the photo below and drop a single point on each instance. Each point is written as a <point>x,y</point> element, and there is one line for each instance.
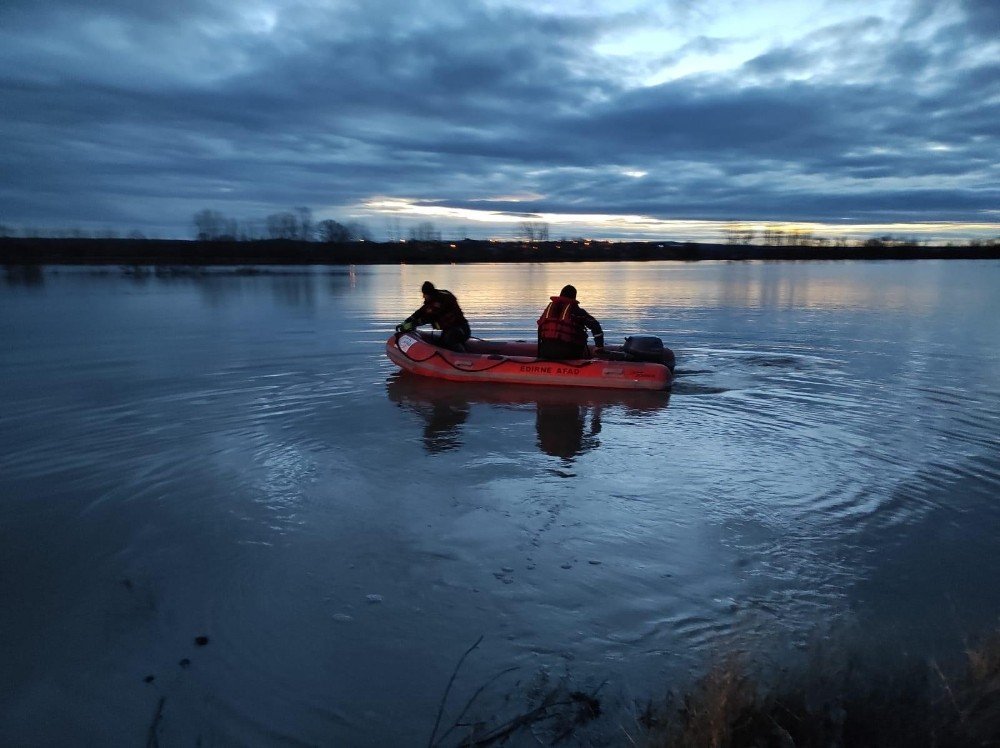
<point>405,342</point>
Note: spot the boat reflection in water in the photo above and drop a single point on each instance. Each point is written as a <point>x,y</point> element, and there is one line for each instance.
<point>567,419</point>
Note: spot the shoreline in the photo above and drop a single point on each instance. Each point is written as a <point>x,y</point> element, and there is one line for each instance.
<point>50,251</point>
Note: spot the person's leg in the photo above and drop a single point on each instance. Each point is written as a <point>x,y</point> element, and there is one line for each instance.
<point>557,350</point>
<point>454,337</point>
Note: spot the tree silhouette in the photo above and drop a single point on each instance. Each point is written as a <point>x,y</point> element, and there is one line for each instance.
<point>424,232</point>
<point>333,232</point>
<point>211,225</point>
<point>358,232</point>
<point>534,231</point>
<point>282,226</point>
<point>305,224</point>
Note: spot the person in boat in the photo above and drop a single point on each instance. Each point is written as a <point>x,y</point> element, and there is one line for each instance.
<point>441,310</point>
<point>562,328</point>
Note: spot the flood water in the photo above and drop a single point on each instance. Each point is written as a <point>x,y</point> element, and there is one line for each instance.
<point>230,454</point>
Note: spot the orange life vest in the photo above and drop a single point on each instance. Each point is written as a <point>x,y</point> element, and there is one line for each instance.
<point>558,322</point>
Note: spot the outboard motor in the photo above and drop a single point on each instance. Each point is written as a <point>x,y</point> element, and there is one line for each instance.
<point>644,348</point>
<point>648,348</point>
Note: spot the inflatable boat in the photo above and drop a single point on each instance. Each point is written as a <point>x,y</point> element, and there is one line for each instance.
<point>642,363</point>
<point>411,391</point>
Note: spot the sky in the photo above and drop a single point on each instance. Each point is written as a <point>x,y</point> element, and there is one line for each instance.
<point>672,119</point>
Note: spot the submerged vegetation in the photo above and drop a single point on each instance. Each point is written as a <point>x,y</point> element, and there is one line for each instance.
<point>830,703</point>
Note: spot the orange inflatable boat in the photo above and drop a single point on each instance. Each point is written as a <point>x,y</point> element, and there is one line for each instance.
<point>642,363</point>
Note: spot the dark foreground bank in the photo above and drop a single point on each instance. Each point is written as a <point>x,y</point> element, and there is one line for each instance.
<point>835,701</point>
<point>41,251</point>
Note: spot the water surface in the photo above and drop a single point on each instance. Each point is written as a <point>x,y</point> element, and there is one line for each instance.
<point>230,454</point>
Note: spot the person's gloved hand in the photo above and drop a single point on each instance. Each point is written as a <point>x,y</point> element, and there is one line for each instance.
<point>404,327</point>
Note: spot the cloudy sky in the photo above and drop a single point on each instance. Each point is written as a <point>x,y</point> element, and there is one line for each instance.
<point>602,118</point>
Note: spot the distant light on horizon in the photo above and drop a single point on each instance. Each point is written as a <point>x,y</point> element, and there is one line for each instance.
<point>645,228</point>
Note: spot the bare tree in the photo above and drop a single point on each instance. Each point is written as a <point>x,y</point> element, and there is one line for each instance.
<point>772,235</point>
<point>248,231</point>
<point>801,237</point>
<point>424,232</point>
<point>333,232</point>
<point>210,225</point>
<point>282,226</point>
<point>532,231</point>
<point>305,224</point>
<point>738,233</point>
<point>358,232</point>
<point>393,231</point>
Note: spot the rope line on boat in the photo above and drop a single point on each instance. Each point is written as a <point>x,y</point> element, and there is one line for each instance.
<point>500,360</point>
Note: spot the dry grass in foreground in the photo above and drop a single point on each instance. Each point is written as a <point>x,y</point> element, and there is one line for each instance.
<point>835,702</point>
<point>913,706</point>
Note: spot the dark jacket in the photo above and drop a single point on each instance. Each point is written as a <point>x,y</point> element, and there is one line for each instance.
<point>441,310</point>
<point>562,329</point>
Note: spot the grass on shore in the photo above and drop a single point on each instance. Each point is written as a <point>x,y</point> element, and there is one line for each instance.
<point>849,705</point>
<point>836,701</point>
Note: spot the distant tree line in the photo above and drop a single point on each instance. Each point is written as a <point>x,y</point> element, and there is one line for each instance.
<point>774,235</point>
<point>175,252</point>
<point>297,225</point>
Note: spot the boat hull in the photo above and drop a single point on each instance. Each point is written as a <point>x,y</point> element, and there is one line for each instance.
<point>516,363</point>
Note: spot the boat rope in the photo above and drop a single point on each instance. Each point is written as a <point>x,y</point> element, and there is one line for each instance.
<point>499,360</point>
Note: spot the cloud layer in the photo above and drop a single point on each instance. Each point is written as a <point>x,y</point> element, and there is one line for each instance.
<point>130,116</point>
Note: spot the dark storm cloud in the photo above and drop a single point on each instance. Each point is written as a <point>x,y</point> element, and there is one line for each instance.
<point>121,113</point>
<point>982,18</point>
<point>347,104</point>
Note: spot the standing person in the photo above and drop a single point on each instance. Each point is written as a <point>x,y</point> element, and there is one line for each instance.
<point>562,328</point>
<point>441,310</point>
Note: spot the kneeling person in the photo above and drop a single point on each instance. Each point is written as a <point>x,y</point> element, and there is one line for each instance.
<point>442,312</point>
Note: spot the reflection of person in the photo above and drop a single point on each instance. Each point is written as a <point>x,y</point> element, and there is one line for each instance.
<point>562,328</point>
<point>441,432</point>
<point>441,310</point>
<point>443,411</point>
<point>561,429</point>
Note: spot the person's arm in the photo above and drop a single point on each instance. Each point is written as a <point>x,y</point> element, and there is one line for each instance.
<point>593,325</point>
<point>416,319</point>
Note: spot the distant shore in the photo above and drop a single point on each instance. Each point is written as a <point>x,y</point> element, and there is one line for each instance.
<point>46,251</point>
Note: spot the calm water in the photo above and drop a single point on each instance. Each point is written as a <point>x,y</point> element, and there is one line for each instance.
<point>233,456</point>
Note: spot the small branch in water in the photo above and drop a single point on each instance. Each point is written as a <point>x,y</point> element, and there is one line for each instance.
<point>468,704</point>
<point>151,740</point>
<point>630,739</point>
<point>447,690</point>
<point>538,714</point>
<point>947,689</point>
<point>587,708</point>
